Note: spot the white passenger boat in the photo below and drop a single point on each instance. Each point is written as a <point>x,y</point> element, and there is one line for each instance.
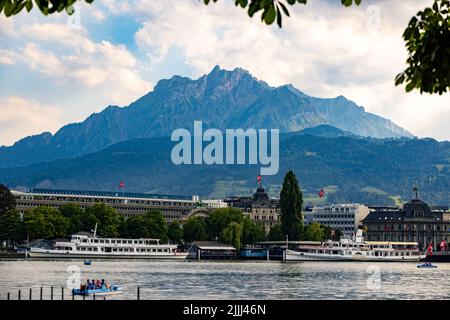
<point>356,249</point>
<point>86,247</point>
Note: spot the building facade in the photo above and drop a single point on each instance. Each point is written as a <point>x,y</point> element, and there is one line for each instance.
<point>416,221</point>
<point>345,217</point>
<point>173,207</point>
<point>260,208</point>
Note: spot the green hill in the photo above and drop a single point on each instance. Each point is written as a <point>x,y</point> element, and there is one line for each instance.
<point>365,170</point>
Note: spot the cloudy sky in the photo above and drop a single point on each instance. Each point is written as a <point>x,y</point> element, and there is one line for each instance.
<point>59,69</point>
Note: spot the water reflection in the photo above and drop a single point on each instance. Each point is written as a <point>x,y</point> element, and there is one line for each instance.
<point>233,280</point>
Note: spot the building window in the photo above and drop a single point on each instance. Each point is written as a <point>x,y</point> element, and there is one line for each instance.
<point>419,214</point>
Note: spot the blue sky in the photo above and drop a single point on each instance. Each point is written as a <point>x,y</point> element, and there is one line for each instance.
<point>59,69</point>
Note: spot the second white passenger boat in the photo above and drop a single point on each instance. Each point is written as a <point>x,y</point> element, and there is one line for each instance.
<point>356,249</point>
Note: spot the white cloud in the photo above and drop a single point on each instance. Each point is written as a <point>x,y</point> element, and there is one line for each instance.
<point>43,61</point>
<point>98,14</point>
<point>72,57</point>
<point>117,6</point>
<point>21,117</point>
<point>325,50</point>
<point>7,56</point>
<point>66,37</point>
<point>7,27</point>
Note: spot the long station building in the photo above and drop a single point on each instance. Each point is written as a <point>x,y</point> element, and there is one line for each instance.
<point>173,207</point>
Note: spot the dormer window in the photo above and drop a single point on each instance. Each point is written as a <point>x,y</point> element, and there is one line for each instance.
<point>419,214</point>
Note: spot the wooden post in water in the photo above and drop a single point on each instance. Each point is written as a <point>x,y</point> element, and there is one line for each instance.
<point>41,293</point>
<point>30,293</point>
<point>73,296</point>
<point>93,296</point>
<point>139,293</point>
<point>18,295</point>
<point>84,297</point>
<point>7,296</point>
<point>62,292</point>
<point>51,293</point>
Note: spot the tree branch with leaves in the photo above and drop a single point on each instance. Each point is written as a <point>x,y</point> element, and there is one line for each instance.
<point>428,43</point>
<point>13,7</point>
<point>272,10</point>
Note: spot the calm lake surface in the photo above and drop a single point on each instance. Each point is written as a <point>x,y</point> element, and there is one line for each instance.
<point>231,280</point>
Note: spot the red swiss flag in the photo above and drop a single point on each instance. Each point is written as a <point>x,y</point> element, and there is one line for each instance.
<point>430,249</point>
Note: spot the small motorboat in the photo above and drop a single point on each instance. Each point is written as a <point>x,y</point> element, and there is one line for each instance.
<point>426,265</point>
<point>113,290</point>
<point>87,262</point>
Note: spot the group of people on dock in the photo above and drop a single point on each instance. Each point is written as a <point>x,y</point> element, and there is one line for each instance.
<point>95,284</point>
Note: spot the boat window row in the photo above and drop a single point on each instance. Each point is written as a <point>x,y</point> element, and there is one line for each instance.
<point>91,249</point>
<point>94,249</point>
<point>111,241</point>
<point>390,254</point>
<point>152,250</point>
<point>342,209</point>
<point>361,253</point>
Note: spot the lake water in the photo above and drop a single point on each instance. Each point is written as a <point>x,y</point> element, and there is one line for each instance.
<point>232,280</point>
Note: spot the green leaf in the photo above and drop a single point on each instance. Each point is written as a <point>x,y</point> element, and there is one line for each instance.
<point>70,10</point>
<point>410,86</point>
<point>9,7</point>
<point>270,15</point>
<point>2,5</point>
<point>279,18</point>
<point>29,5</point>
<point>18,7</point>
<point>399,79</point>
<point>347,2</point>
<point>283,7</point>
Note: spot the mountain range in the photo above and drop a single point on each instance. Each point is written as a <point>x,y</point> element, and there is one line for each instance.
<point>221,99</point>
<point>331,144</point>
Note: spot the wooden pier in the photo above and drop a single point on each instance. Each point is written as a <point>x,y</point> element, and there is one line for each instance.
<point>54,293</point>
